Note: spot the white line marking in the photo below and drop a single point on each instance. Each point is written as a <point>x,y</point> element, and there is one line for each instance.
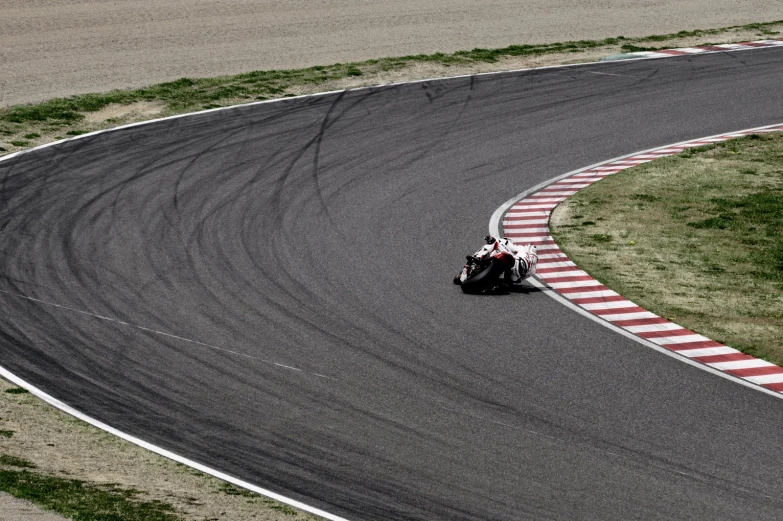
<point>609,305</point>
<point>630,316</point>
<point>766,378</point>
<point>663,326</point>
<point>591,294</point>
<point>155,331</point>
<point>740,364</point>
<point>707,351</point>
<point>679,339</point>
<point>286,366</point>
<point>163,452</point>
<point>575,284</point>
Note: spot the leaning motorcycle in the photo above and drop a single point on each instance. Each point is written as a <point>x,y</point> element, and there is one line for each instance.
<point>482,272</point>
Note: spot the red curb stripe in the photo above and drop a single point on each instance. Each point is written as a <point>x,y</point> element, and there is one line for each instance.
<point>535,243</point>
<point>714,359</point>
<point>555,270</point>
<point>756,371</point>
<point>529,235</point>
<point>640,322</point>
<point>774,387</point>
<point>617,311</point>
<point>524,226</point>
<point>698,344</point>
<point>671,332</point>
<point>587,289</point>
<point>573,278</point>
<point>597,300</point>
<point>576,181</point>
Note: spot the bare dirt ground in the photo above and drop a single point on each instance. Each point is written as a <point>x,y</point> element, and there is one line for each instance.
<point>62,446</point>
<point>12,509</point>
<point>53,48</point>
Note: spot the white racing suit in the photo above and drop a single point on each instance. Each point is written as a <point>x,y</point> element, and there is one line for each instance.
<point>525,259</point>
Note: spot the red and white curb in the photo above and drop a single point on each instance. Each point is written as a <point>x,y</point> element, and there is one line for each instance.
<point>684,51</point>
<point>525,220</point>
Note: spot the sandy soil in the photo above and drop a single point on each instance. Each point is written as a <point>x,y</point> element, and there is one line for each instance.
<point>62,446</point>
<point>55,48</point>
<point>12,509</point>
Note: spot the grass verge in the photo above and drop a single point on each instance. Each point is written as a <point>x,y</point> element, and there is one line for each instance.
<point>71,468</point>
<point>76,499</point>
<point>696,238</point>
<point>22,126</point>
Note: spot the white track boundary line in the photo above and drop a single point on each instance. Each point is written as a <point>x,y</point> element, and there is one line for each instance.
<point>494,230</point>
<point>382,86</point>
<point>7,375</point>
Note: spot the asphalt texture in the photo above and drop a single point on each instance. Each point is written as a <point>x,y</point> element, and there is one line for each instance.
<point>302,253</point>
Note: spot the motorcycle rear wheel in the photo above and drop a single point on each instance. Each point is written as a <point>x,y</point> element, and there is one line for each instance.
<point>483,279</point>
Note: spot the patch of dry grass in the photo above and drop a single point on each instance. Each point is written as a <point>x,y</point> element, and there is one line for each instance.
<point>62,118</point>
<point>697,238</point>
<point>64,448</point>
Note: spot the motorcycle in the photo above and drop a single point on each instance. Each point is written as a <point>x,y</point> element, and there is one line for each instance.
<point>483,270</point>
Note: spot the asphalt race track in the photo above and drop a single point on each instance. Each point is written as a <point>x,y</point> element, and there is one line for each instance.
<point>302,253</point>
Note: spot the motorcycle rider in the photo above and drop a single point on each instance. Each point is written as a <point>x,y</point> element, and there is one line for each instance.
<point>525,259</point>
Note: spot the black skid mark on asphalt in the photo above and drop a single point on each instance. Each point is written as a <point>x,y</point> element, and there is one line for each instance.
<point>435,90</point>
<point>735,56</point>
<point>428,147</point>
<point>325,124</point>
<point>330,118</point>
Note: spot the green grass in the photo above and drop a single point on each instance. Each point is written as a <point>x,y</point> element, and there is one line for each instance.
<point>187,94</point>
<point>80,501</point>
<point>12,461</point>
<point>16,390</point>
<point>231,490</point>
<point>6,433</point>
<point>697,238</point>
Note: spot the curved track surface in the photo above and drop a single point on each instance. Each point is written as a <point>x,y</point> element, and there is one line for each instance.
<point>321,234</point>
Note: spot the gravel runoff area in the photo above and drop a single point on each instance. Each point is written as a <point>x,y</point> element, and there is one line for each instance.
<point>53,48</point>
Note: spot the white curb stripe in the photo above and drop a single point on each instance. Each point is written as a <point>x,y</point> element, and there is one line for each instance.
<point>708,351</point>
<point>680,339</point>
<point>664,326</point>
<point>629,316</point>
<point>608,305</point>
<point>589,294</point>
<point>575,284</point>
<point>741,364</point>
<point>766,379</point>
